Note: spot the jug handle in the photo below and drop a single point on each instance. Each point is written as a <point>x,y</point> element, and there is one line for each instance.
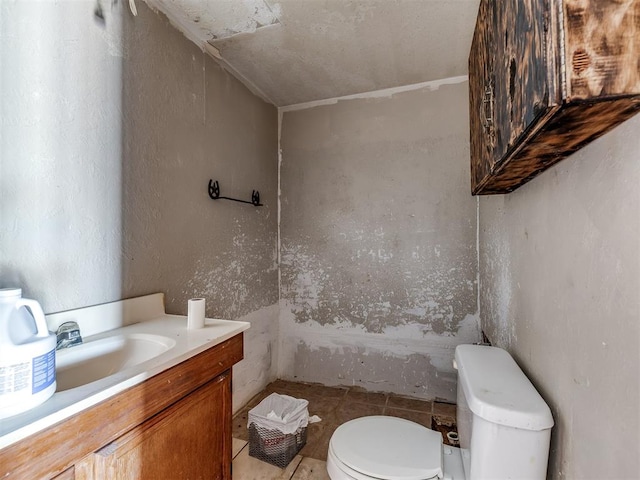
<point>38,315</point>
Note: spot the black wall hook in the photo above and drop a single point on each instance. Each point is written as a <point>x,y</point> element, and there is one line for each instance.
<point>214,193</point>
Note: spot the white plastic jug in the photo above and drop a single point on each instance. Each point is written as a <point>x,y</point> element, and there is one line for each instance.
<point>27,354</point>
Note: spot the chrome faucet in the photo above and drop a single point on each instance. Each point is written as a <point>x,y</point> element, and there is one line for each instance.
<point>68,335</point>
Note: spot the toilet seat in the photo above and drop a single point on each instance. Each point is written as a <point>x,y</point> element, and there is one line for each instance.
<point>386,448</point>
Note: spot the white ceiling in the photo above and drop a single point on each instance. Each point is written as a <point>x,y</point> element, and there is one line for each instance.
<point>296,51</point>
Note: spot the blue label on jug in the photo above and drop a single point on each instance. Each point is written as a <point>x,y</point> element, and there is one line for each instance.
<point>44,371</point>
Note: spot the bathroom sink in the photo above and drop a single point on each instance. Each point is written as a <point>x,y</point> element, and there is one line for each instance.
<point>100,358</point>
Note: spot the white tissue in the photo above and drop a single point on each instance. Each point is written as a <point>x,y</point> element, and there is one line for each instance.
<point>195,313</point>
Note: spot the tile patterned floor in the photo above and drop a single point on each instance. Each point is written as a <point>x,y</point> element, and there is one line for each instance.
<point>334,405</point>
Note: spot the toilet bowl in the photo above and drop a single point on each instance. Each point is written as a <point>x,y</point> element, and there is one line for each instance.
<point>504,425</point>
<point>390,448</point>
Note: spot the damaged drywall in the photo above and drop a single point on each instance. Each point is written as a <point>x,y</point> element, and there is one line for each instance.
<point>231,276</point>
<point>259,366</point>
<point>186,121</point>
<point>363,282</point>
<point>207,126</point>
<point>407,359</point>
<point>378,233</point>
<point>202,22</point>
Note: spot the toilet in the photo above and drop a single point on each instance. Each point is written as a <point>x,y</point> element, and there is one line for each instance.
<point>504,428</point>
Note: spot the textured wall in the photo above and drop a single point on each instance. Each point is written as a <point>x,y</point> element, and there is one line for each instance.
<point>560,289</point>
<point>60,144</point>
<point>330,48</point>
<point>378,242</point>
<point>110,132</point>
<point>187,121</point>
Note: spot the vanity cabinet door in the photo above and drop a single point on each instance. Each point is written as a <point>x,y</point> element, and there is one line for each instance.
<point>189,440</point>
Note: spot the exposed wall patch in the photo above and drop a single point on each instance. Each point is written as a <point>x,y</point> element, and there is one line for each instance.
<point>362,284</point>
<point>378,271</point>
<point>214,20</point>
<point>230,276</point>
<point>403,360</point>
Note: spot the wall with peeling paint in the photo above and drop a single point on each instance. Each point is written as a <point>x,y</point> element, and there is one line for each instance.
<point>560,289</point>
<point>194,122</point>
<point>187,121</point>
<point>378,241</point>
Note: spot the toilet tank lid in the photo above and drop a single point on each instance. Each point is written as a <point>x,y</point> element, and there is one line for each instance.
<point>498,391</point>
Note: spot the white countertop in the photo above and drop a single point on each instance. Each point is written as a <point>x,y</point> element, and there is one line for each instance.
<point>65,404</point>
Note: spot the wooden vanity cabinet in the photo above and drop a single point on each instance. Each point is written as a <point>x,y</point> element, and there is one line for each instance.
<point>184,441</point>
<point>546,77</point>
<point>177,424</point>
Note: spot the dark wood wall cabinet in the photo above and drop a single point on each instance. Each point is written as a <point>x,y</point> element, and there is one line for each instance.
<point>546,77</point>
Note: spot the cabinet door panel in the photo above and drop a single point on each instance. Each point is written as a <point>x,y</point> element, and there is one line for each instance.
<point>481,80</point>
<point>522,95</point>
<point>189,440</point>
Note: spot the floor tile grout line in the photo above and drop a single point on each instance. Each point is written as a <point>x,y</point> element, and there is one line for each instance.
<point>240,451</point>
<point>293,474</point>
<point>412,410</point>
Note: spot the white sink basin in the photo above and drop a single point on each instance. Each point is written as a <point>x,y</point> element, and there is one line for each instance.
<point>96,359</point>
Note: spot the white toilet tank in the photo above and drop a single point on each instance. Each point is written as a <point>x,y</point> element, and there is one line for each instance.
<point>504,425</point>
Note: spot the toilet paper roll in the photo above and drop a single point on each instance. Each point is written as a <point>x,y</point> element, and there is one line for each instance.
<point>195,313</point>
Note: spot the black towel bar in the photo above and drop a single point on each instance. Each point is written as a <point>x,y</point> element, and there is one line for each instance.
<point>214,193</point>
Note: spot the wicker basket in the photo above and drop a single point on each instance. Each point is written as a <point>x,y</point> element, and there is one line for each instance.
<point>275,447</point>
